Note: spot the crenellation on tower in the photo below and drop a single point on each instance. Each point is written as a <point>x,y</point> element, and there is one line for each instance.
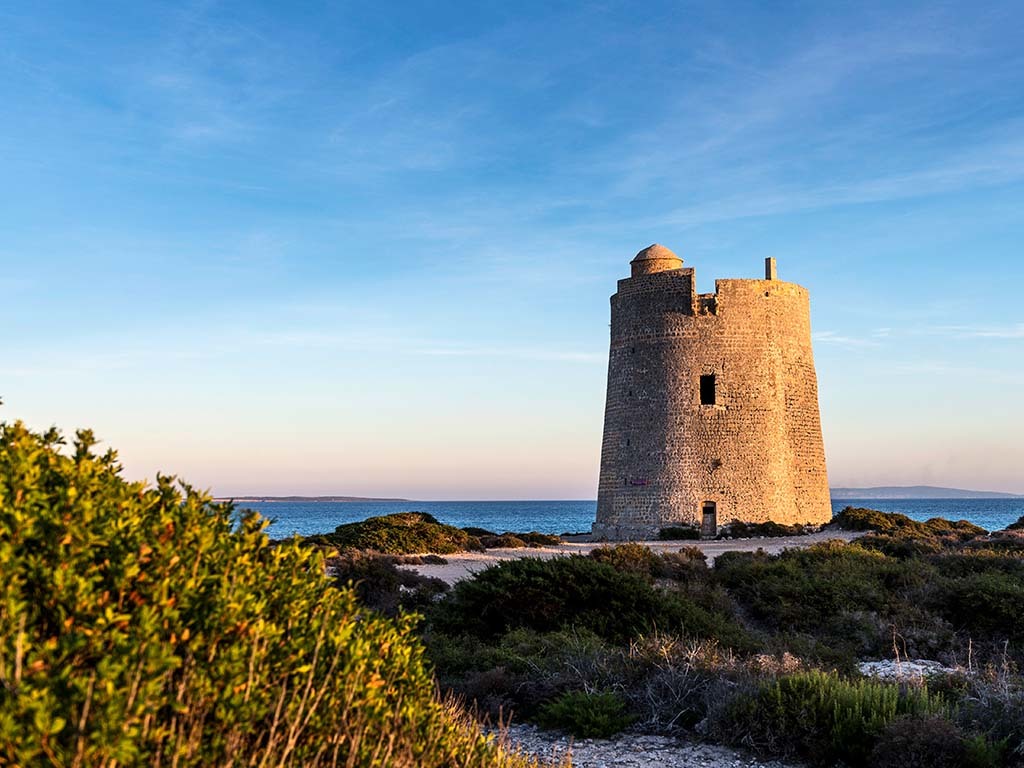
<point>712,407</point>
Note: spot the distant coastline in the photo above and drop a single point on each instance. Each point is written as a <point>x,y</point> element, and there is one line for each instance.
<point>876,492</point>
<point>308,499</point>
<point>917,492</point>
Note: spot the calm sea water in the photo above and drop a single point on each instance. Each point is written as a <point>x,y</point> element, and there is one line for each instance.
<point>307,518</point>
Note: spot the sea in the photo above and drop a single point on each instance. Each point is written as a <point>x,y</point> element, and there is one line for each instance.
<point>310,517</point>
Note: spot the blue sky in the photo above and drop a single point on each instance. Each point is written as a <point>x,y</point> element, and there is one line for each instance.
<point>367,248</point>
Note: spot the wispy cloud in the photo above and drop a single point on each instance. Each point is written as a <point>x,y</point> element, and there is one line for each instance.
<point>1007,331</point>
<point>840,340</point>
<point>1012,331</point>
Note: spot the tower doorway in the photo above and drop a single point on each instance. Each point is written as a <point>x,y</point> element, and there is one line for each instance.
<point>709,520</point>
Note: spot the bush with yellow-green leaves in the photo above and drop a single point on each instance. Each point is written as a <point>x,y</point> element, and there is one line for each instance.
<point>149,625</point>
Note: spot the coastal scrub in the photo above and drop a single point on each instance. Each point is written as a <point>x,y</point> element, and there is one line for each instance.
<point>148,625</point>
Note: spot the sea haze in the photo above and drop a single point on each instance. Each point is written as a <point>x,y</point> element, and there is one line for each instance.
<point>309,517</point>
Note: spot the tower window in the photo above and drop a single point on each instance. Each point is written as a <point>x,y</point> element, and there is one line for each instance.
<point>707,389</point>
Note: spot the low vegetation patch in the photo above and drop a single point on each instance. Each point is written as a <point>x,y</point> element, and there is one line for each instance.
<point>403,533</point>
<point>514,540</point>
<point>740,530</point>
<point>503,541</point>
<point>380,584</point>
<point>586,715</point>
<point>684,565</point>
<point>575,592</point>
<point>820,717</point>
<point>896,524</point>
<point>759,650</point>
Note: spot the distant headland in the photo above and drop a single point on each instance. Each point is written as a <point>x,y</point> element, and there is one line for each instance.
<point>917,492</point>
<point>300,499</point>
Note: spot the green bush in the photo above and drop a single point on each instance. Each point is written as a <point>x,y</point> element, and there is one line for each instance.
<point>896,524</point>
<point>689,563</point>
<point>403,533</point>
<point>986,604</point>
<point>902,546</point>
<point>505,541</point>
<point>770,529</point>
<point>531,539</point>
<point>523,669</point>
<point>586,715</point>
<point>535,539</point>
<point>149,626</point>
<point>820,717</point>
<point>573,591</point>
<point>381,585</point>
<point>630,557</point>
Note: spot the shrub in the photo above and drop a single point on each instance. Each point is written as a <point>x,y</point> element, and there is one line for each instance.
<point>985,603</point>
<point>686,564</point>
<point>573,591</point>
<point>403,533</point>
<point>147,625</point>
<point>523,669</point>
<point>679,533</point>
<point>902,547</point>
<point>631,558</point>
<point>820,717</point>
<point>586,715</point>
<point>896,524</point>
<point>1010,542</point>
<point>535,539</point>
<point>1017,526</point>
<point>991,704</point>
<point>931,741</point>
<point>505,540</point>
<point>531,539</point>
<point>381,585</point>
<point>770,529</point>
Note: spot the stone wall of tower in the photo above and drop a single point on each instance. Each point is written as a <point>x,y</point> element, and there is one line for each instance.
<point>757,452</point>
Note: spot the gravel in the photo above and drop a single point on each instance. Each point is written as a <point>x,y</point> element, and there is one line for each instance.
<point>631,751</point>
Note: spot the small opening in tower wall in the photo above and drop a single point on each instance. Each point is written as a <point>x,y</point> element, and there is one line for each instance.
<point>709,520</point>
<point>707,389</point>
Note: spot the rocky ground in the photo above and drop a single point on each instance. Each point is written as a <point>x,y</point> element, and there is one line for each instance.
<point>632,751</point>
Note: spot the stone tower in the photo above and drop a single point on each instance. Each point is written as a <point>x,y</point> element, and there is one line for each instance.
<point>712,408</point>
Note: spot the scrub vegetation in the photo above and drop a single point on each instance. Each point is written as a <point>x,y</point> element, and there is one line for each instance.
<point>413,533</point>
<point>148,625</point>
<point>758,651</point>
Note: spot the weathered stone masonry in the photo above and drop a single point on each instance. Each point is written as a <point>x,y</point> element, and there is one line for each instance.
<point>712,407</point>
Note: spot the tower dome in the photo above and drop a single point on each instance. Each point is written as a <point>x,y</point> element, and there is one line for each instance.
<point>654,258</point>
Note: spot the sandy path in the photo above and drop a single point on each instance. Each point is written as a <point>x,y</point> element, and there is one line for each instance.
<point>465,564</point>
